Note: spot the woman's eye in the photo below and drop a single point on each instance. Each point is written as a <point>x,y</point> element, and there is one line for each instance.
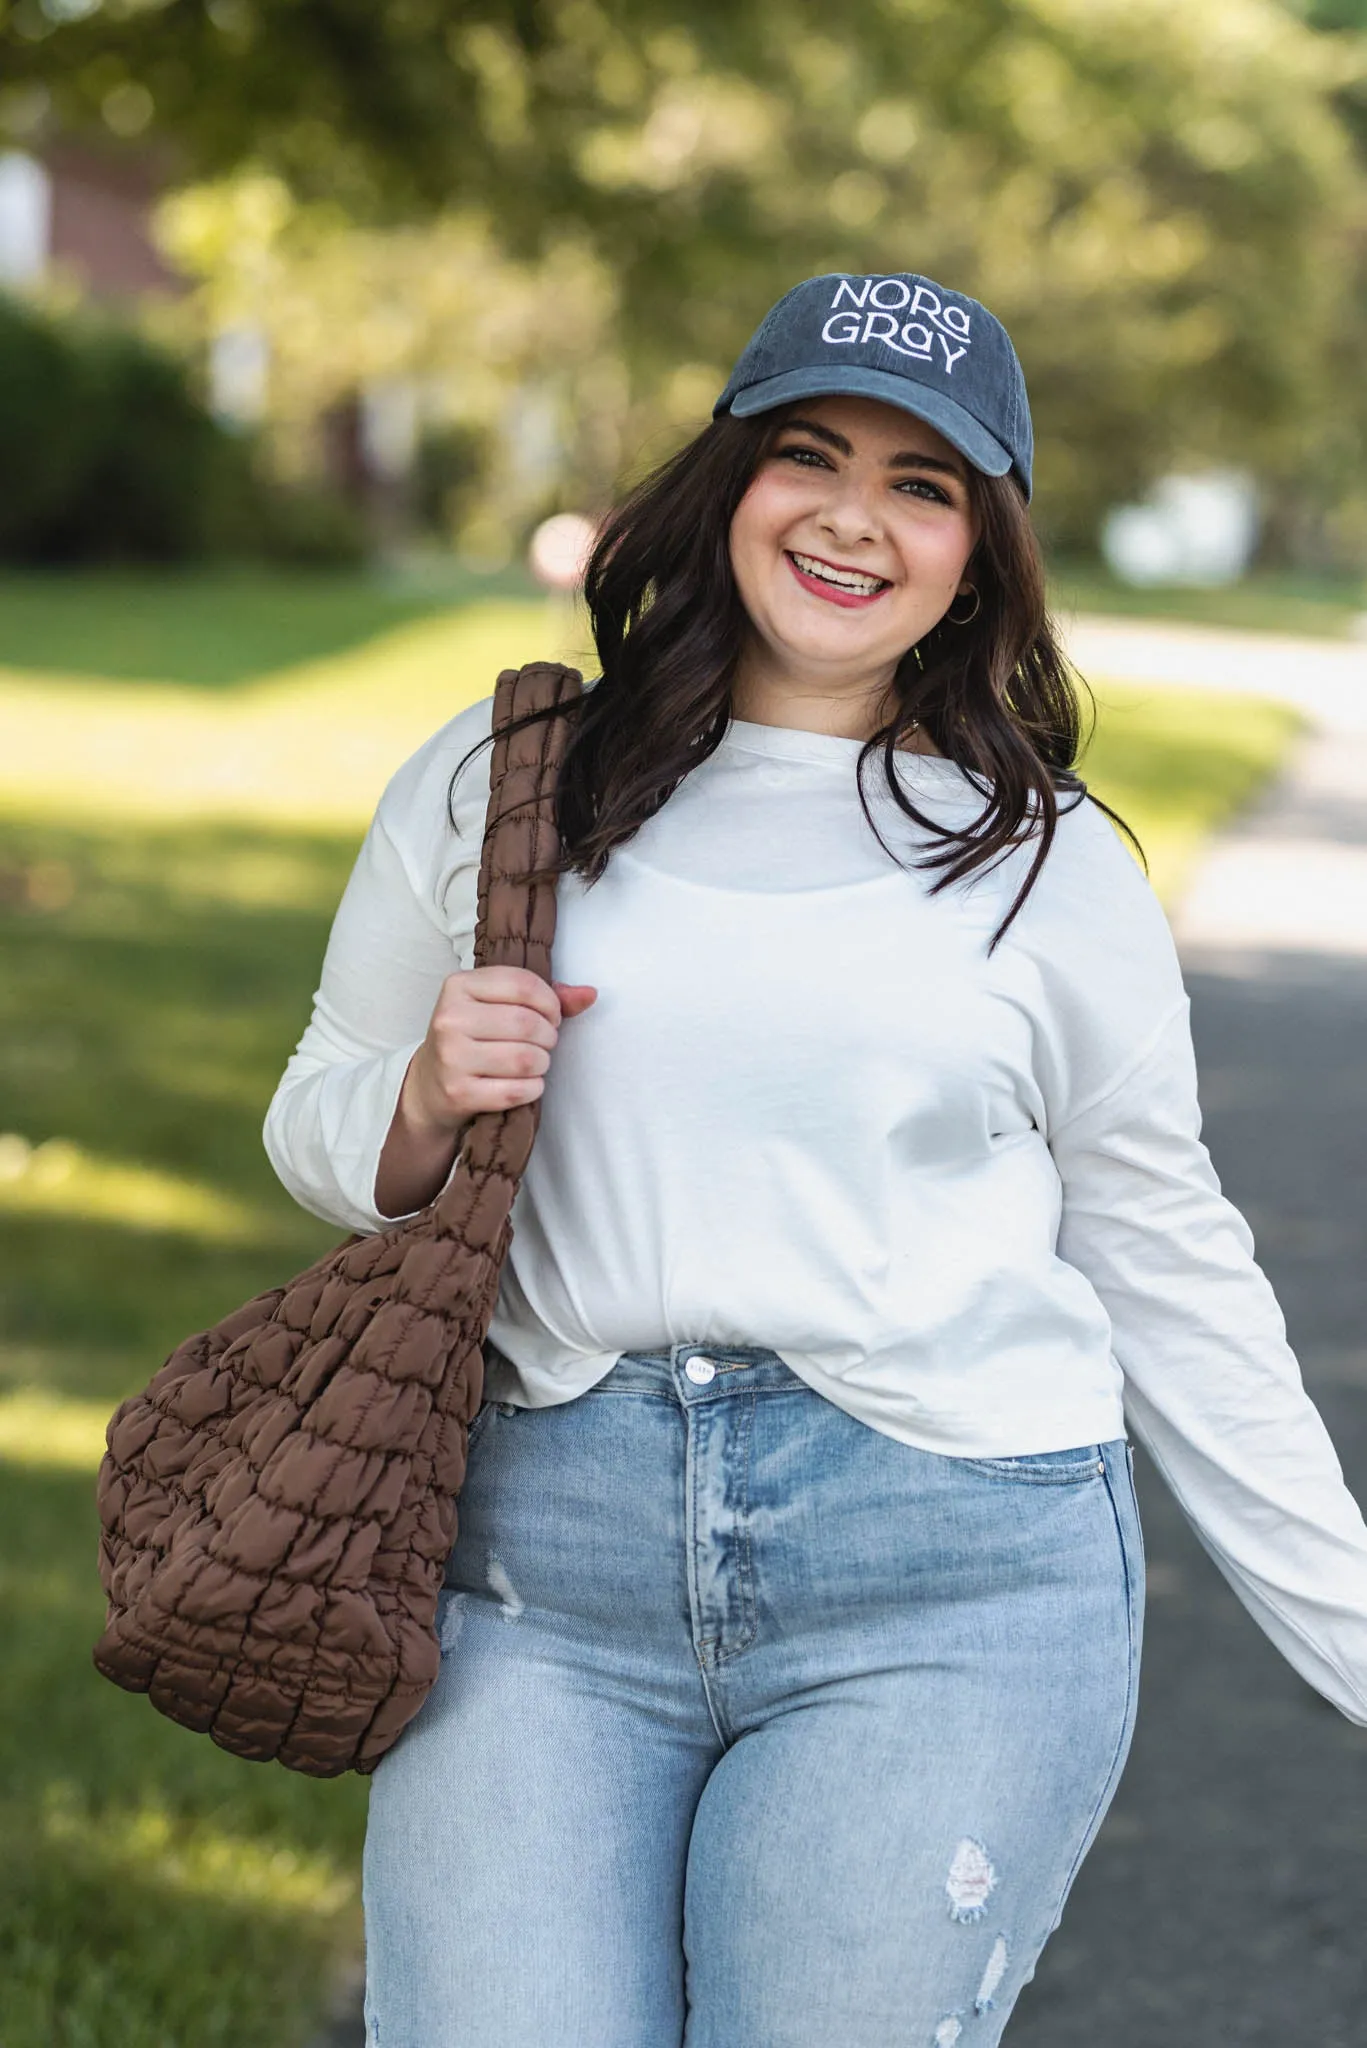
<point>812,458</point>
<point>918,486</point>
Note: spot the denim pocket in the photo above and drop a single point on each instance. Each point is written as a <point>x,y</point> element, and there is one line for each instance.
<point>1045,1468</point>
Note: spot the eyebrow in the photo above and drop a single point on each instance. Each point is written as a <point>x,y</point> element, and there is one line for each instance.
<point>908,460</point>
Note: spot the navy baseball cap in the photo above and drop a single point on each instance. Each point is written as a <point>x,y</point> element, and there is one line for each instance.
<point>901,338</point>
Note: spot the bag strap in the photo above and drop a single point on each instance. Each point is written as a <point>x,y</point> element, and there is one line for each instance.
<point>515,920</point>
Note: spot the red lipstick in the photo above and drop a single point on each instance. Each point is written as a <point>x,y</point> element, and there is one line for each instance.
<point>819,587</point>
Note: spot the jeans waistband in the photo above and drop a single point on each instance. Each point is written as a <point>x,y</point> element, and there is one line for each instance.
<point>699,1372</point>
<point>707,1372</point>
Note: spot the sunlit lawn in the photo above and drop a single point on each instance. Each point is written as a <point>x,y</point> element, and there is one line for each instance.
<point>213,631</point>
<point>1268,601</point>
<point>169,857</point>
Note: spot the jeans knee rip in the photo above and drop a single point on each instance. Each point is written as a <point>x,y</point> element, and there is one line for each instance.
<point>452,1620</point>
<point>971,1881</point>
<point>500,1583</point>
<point>992,1975</point>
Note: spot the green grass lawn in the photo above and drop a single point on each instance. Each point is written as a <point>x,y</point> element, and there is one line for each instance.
<point>1270,601</point>
<point>156,969</point>
<point>158,628</point>
<point>153,1891</point>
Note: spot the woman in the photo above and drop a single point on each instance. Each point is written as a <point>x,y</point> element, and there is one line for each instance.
<point>793,1626</point>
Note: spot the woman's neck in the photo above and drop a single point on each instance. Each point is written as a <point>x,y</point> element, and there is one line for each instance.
<point>850,709</point>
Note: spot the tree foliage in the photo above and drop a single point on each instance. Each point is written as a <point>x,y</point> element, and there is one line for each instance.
<point>515,364</point>
<point>1335,14</point>
<point>1160,197</point>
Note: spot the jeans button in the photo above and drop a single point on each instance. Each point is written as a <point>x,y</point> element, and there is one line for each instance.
<point>700,1371</point>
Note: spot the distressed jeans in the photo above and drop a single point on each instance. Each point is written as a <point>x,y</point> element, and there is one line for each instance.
<point>755,1728</point>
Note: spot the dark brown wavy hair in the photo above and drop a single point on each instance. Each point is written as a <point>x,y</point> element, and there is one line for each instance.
<point>995,695</point>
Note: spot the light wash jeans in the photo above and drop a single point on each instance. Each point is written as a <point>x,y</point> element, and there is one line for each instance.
<point>755,1728</point>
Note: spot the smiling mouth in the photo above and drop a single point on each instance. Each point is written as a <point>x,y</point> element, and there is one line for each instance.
<point>842,586</point>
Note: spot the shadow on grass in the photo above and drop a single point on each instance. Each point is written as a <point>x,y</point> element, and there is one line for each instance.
<point>154,1893</point>
<point>148,1001</point>
<point>212,630</point>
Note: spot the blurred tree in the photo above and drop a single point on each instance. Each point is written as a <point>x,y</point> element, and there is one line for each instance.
<point>510,367</point>
<point>1159,196</point>
<point>1319,517</point>
<point>1334,14</point>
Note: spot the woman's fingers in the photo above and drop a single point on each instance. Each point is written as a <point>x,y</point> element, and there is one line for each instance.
<point>574,996</point>
<point>490,1041</point>
<point>514,986</point>
<point>498,1058</point>
<point>485,1022</point>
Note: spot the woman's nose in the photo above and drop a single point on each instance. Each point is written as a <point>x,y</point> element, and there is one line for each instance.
<point>848,513</point>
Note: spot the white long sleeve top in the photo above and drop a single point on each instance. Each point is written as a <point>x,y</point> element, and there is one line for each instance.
<point>963,1195</point>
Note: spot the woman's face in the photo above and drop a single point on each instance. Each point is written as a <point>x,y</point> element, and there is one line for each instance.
<point>853,538</point>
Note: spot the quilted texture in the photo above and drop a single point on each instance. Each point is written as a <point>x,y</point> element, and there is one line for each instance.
<point>277,1506</point>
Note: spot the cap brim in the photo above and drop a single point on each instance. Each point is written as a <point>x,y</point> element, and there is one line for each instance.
<point>959,428</point>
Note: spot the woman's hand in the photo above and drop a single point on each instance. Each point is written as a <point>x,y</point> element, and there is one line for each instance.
<point>488,1047</point>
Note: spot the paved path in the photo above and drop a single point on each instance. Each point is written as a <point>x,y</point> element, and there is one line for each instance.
<point>1327,677</point>
<point>1292,878</point>
<point>1224,1901</point>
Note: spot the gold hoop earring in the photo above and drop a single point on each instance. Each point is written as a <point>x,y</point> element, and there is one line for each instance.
<point>968,617</point>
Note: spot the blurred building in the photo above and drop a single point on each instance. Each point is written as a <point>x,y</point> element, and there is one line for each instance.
<point>81,211</point>
<point>1200,530</point>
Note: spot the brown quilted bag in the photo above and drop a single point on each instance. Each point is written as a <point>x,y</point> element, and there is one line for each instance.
<point>279,1503</point>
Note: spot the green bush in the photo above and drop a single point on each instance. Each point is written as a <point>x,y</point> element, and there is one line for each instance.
<point>453,462</point>
<point>41,428</point>
<point>304,527</point>
<point>108,455</point>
